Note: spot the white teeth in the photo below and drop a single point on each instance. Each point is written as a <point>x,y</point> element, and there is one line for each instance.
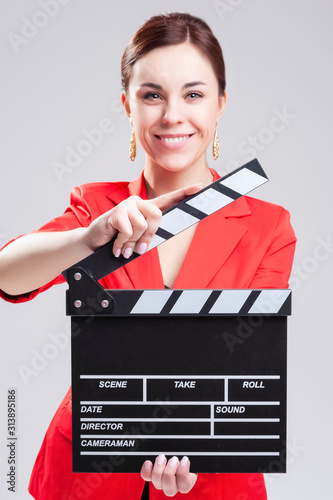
<point>174,140</point>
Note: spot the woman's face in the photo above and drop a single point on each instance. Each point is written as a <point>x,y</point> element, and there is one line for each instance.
<point>173,104</point>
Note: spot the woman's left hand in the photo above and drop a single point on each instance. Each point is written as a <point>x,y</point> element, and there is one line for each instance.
<point>171,476</point>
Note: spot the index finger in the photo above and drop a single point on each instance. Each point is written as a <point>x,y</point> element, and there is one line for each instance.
<point>168,200</point>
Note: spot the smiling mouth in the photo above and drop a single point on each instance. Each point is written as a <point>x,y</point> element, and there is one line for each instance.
<point>174,140</point>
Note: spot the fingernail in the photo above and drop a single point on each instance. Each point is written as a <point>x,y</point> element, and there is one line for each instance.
<point>160,460</point>
<point>117,252</point>
<point>173,462</point>
<point>184,461</point>
<point>128,252</point>
<point>142,248</point>
<point>148,465</point>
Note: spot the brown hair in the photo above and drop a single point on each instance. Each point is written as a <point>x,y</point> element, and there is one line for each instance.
<point>172,29</point>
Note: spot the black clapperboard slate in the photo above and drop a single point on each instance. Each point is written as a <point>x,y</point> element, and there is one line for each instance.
<point>200,373</point>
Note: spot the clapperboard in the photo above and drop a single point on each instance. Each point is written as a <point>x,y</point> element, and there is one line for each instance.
<point>154,371</point>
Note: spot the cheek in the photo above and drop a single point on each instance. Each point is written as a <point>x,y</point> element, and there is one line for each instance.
<point>206,118</point>
<point>144,118</point>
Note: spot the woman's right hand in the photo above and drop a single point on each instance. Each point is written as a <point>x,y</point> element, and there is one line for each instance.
<point>134,221</point>
<point>34,260</point>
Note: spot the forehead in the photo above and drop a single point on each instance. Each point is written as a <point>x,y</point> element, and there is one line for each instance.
<point>174,64</point>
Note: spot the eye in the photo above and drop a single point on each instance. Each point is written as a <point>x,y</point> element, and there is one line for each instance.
<point>193,95</point>
<point>151,96</point>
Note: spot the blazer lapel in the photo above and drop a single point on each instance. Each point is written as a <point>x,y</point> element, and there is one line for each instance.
<point>136,187</point>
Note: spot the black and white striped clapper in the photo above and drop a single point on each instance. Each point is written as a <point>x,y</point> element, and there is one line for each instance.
<point>183,215</point>
<point>200,373</point>
<point>211,199</point>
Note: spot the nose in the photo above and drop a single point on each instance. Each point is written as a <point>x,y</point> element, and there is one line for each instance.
<point>172,112</point>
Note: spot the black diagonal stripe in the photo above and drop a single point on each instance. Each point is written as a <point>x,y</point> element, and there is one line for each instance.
<point>193,211</point>
<point>210,302</point>
<point>249,303</point>
<point>285,309</point>
<point>125,301</point>
<point>163,233</point>
<point>226,191</point>
<point>171,302</point>
<point>255,166</point>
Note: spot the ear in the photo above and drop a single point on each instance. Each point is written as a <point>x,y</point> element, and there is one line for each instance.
<point>126,105</point>
<point>222,101</point>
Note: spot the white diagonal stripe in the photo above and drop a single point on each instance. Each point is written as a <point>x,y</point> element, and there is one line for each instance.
<point>243,181</point>
<point>230,302</point>
<point>151,302</point>
<point>156,240</point>
<point>209,201</point>
<point>177,220</point>
<point>269,301</point>
<point>191,302</point>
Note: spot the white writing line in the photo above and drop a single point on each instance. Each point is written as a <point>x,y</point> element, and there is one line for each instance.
<point>138,419</point>
<point>199,453</point>
<point>212,420</point>
<point>248,419</point>
<point>177,436</point>
<point>184,403</point>
<point>184,377</point>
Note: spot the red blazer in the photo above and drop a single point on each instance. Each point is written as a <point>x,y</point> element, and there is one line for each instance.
<point>248,244</point>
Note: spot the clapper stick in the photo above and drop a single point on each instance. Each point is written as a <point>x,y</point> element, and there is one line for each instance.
<point>182,216</point>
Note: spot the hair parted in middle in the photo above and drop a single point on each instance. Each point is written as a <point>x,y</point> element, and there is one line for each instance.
<point>172,29</point>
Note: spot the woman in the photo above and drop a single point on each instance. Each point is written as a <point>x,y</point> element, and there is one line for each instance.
<point>174,95</point>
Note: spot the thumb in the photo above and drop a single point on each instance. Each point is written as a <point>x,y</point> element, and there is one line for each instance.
<point>168,200</point>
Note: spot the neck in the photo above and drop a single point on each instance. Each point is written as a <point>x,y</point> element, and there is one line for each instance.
<point>161,181</point>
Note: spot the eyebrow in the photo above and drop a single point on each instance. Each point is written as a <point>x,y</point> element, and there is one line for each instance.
<point>159,87</point>
<point>193,84</point>
<point>152,86</point>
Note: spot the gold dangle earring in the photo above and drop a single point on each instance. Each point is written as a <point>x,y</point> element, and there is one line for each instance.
<point>216,145</point>
<point>132,148</point>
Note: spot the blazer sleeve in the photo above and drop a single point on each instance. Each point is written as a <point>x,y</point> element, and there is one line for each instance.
<point>275,267</point>
<point>76,215</point>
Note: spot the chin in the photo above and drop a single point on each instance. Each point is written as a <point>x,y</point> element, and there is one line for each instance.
<point>175,164</point>
<point>175,169</point>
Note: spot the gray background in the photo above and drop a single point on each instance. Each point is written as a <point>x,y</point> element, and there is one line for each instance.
<point>65,79</point>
